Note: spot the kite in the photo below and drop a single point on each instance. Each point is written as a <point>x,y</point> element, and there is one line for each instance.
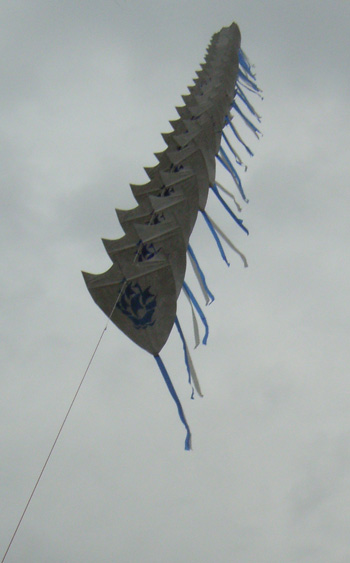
<point>139,292</point>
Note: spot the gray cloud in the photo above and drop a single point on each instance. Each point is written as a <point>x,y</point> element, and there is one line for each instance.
<point>87,89</point>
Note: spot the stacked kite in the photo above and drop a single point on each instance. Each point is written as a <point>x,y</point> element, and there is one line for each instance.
<point>139,292</point>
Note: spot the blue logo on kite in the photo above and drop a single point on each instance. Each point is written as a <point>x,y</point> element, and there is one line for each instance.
<point>145,251</point>
<point>138,305</point>
<point>166,191</point>
<point>156,219</point>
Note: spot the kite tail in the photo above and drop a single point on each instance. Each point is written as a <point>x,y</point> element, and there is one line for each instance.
<point>234,152</point>
<point>194,322</point>
<point>237,135</point>
<point>225,161</point>
<point>245,63</point>
<point>200,275</point>
<point>247,103</point>
<point>216,238</point>
<point>227,192</point>
<point>192,376</point>
<point>228,209</point>
<point>229,242</point>
<point>199,311</point>
<point>248,83</point>
<point>247,121</point>
<point>162,368</point>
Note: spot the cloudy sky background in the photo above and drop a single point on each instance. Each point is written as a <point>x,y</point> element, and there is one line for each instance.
<point>87,87</point>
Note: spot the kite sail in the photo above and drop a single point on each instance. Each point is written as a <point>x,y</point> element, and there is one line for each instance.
<point>140,290</point>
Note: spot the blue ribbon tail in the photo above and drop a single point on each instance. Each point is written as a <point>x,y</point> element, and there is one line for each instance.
<point>235,132</point>
<point>237,157</point>
<point>199,311</point>
<point>192,376</point>
<point>162,368</point>
<point>228,209</point>
<point>247,103</point>
<point>248,82</point>
<point>229,166</point>
<point>247,121</point>
<point>201,273</point>
<point>177,324</point>
<point>216,238</point>
<point>245,63</point>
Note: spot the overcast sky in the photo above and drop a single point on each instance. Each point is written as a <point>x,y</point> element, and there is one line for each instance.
<point>87,88</point>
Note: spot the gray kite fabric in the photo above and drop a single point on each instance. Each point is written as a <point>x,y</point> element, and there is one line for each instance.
<point>139,292</point>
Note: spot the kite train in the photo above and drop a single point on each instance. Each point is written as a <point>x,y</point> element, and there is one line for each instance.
<point>139,292</point>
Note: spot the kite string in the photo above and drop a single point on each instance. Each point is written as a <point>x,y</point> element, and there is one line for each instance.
<point>62,425</point>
